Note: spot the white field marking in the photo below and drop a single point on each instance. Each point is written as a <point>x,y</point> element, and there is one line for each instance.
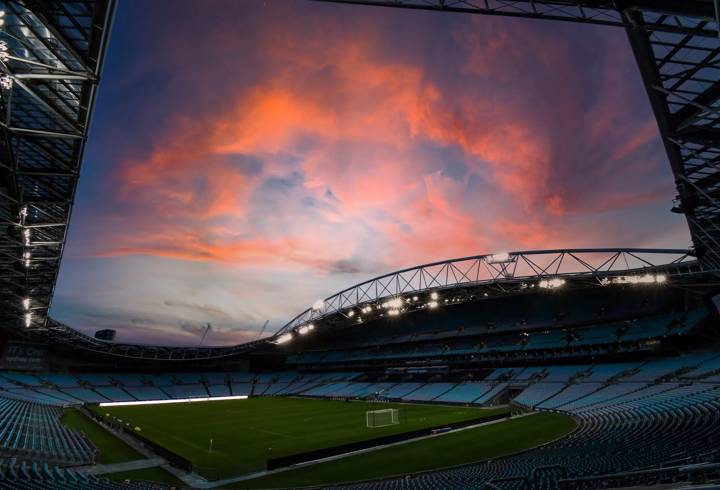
<point>251,476</point>
<point>176,400</point>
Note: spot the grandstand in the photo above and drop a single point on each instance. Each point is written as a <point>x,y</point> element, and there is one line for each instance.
<point>561,369</point>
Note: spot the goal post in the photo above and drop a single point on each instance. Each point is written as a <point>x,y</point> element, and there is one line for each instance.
<point>382,418</point>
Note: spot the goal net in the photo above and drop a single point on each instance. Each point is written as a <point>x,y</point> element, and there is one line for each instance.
<point>382,418</point>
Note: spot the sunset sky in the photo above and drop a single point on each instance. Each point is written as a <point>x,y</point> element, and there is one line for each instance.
<point>247,158</point>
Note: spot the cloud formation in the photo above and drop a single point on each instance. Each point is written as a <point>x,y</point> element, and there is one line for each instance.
<point>345,149</point>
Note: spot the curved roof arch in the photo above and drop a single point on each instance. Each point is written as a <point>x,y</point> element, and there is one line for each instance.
<point>603,265</point>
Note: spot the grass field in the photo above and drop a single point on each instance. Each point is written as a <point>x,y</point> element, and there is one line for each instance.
<point>471,445</point>
<point>246,433</point>
<point>113,450</point>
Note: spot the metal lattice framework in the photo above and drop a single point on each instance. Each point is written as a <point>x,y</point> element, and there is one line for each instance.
<point>499,274</point>
<point>51,54</point>
<point>677,48</point>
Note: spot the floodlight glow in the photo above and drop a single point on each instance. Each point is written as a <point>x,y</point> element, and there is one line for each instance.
<point>433,304</point>
<point>433,295</point>
<point>27,263</point>
<point>178,400</point>
<point>318,305</point>
<point>360,320</point>
<point>351,313</point>
<point>367,309</point>
<point>304,329</point>
<point>393,303</point>
<point>644,279</point>
<point>498,258</point>
<point>28,319</point>
<point>552,283</point>
<point>26,303</point>
<point>393,312</point>
<point>415,298</point>
<point>284,338</point>
<point>27,255</point>
<point>6,82</point>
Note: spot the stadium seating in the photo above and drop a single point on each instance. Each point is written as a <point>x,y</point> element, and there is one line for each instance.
<point>33,431</point>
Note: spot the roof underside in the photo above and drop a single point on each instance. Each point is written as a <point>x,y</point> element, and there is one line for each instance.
<point>50,58</point>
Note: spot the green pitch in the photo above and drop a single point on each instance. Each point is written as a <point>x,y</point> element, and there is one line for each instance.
<point>246,433</point>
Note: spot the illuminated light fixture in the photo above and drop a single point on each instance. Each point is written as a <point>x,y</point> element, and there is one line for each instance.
<point>360,320</point>
<point>644,279</point>
<point>4,51</point>
<point>26,303</point>
<point>393,303</point>
<point>367,309</point>
<point>23,211</point>
<point>26,234</point>
<point>351,313</point>
<point>433,295</point>
<point>2,18</point>
<point>414,298</point>
<point>552,283</point>
<point>318,305</point>
<point>306,328</point>
<point>284,338</point>
<point>393,312</point>
<point>6,82</point>
<point>433,304</point>
<point>28,319</point>
<point>499,258</point>
<point>27,255</point>
<point>485,294</point>
<point>27,263</point>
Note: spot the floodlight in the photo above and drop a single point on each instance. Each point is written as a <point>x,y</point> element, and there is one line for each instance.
<point>26,303</point>
<point>350,313</point>
<point>304,329</point>
<point>498,258</point>
<point>393,312</point>
<point>414,298</point>
<point>393,303</point>
<point>284,338</point>
<point>28,319</point>
<point>27,255</point>
<point>367,309</point>
<point>433,295</point>
<point>660,278</point>
<point>552,283</point>
<point>6,82</point>
<point>432,304</point>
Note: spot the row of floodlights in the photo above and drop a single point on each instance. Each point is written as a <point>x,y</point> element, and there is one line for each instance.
<point>6,82</point>
<point>396,306</point>
<point>638,279</point>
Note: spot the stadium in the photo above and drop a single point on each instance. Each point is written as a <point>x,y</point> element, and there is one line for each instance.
<point>570,368</point>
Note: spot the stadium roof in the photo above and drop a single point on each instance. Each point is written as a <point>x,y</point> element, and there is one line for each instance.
<point>51,54</point>
<point>491,275</point>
